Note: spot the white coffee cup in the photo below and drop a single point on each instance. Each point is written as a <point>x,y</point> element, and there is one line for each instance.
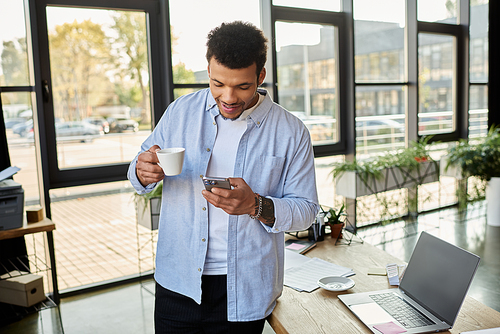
<point>171,160</point>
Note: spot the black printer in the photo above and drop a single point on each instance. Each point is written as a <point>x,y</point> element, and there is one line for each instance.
<point>11,205</point>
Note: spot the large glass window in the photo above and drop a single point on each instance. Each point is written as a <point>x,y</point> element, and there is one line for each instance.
<point>17,104</point>
<point>307,76</point>
<point>189,36</point>
<point>100,84</point>
<point>436,76</point>
<point>379,40</point>
<point>14,57</point>
<point>17,109</point>
<point>379,59</point>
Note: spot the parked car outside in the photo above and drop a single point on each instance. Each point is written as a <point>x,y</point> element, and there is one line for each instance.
<point>98,121</point>
<point>22,129</point>
<point>84,129</point>
<point>122,124</point>
<point>10,122</point>
<point>81,131</point>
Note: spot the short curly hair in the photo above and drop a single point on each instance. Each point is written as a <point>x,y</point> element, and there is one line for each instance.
<point>237,45</point>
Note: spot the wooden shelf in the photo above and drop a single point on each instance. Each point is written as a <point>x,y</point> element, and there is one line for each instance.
<point>45,225</point>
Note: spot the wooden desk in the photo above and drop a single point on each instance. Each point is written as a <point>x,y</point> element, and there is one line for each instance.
<point>48,227</point>
<point>322,312</point>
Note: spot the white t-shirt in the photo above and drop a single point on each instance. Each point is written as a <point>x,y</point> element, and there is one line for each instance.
<point>221,164</point>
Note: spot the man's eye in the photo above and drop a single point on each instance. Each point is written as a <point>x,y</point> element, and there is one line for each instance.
<point>244,88</point>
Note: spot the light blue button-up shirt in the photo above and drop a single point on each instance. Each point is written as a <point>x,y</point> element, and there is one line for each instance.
<point>275,158</point>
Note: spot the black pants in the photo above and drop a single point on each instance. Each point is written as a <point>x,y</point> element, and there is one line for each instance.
<point>176,313</point>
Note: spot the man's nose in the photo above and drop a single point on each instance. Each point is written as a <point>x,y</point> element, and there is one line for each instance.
<point>229,95</point>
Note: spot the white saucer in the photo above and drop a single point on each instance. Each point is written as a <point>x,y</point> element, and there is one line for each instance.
<point>335,283</point>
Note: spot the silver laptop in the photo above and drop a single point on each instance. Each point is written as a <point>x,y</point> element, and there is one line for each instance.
<point>433,288</point>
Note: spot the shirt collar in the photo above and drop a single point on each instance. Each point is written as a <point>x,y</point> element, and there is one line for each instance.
<point>257,116</point>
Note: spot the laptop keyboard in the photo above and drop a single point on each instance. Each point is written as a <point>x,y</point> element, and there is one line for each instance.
<point>401,310</point>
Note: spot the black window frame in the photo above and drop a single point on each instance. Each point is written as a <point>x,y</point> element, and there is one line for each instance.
<point>59,178</point>
<point>345,89</point>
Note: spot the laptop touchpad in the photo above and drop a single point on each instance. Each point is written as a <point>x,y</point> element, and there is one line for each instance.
<point>371,313</point>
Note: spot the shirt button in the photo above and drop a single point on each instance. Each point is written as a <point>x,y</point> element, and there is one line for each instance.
<point>199,269</point>
<point>215,123</point>
<point>203,239</point>
<point>258,123</point>
<point>208,150</point>
<point>201,176</point>
<point>204,209</point>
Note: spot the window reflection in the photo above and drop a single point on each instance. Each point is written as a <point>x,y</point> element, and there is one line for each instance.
<point>436,77</point>
<point>478,111</point>
<point>379,40</point>
<point>478,62</point>
<point>328,5</point>
<point>444,11</point>
<point>380,118</point>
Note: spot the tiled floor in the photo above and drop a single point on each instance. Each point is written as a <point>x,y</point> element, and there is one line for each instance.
<point>97,239</point>
<point>129,308</point>
<point>468,231</point>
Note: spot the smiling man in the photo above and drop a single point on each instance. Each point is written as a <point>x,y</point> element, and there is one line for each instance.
<point>219,263</point>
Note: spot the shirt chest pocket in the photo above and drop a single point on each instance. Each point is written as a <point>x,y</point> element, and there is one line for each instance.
<point>267,176</point>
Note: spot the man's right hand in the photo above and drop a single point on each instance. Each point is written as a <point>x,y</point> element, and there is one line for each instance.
<point>147,168</point>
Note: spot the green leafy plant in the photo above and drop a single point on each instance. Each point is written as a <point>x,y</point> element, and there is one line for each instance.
<point>409,158</point>
<point>408,161</point>
<point>480,159</point>
<point>365,168</point>
<point>156,192</point>
<point>336,216</point>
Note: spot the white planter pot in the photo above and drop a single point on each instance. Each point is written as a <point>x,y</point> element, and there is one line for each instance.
<point>350,184</point>
<point>492,197</point>
<point>149,215</point>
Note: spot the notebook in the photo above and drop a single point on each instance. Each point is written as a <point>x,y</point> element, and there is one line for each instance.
<point>433,287</point>
<point>300,246</point>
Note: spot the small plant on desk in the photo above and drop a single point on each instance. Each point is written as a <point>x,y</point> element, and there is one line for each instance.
<point>335,219</point>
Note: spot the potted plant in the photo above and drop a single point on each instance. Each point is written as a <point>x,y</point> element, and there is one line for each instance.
<point>405,168</point>
<point>384,175</point>
<point>482,160</point>
<point>335,219</point>
<point>148,207</point>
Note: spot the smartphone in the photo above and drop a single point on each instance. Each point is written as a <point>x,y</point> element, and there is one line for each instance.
<point>219,182</point>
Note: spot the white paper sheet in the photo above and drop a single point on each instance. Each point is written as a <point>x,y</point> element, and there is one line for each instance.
<point>304,277</point>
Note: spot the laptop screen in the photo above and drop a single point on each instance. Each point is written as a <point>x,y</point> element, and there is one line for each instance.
<point>438,276</point>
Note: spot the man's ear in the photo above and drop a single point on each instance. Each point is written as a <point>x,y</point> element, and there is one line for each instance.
<point>262,76</point>
<point>208,70</point>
